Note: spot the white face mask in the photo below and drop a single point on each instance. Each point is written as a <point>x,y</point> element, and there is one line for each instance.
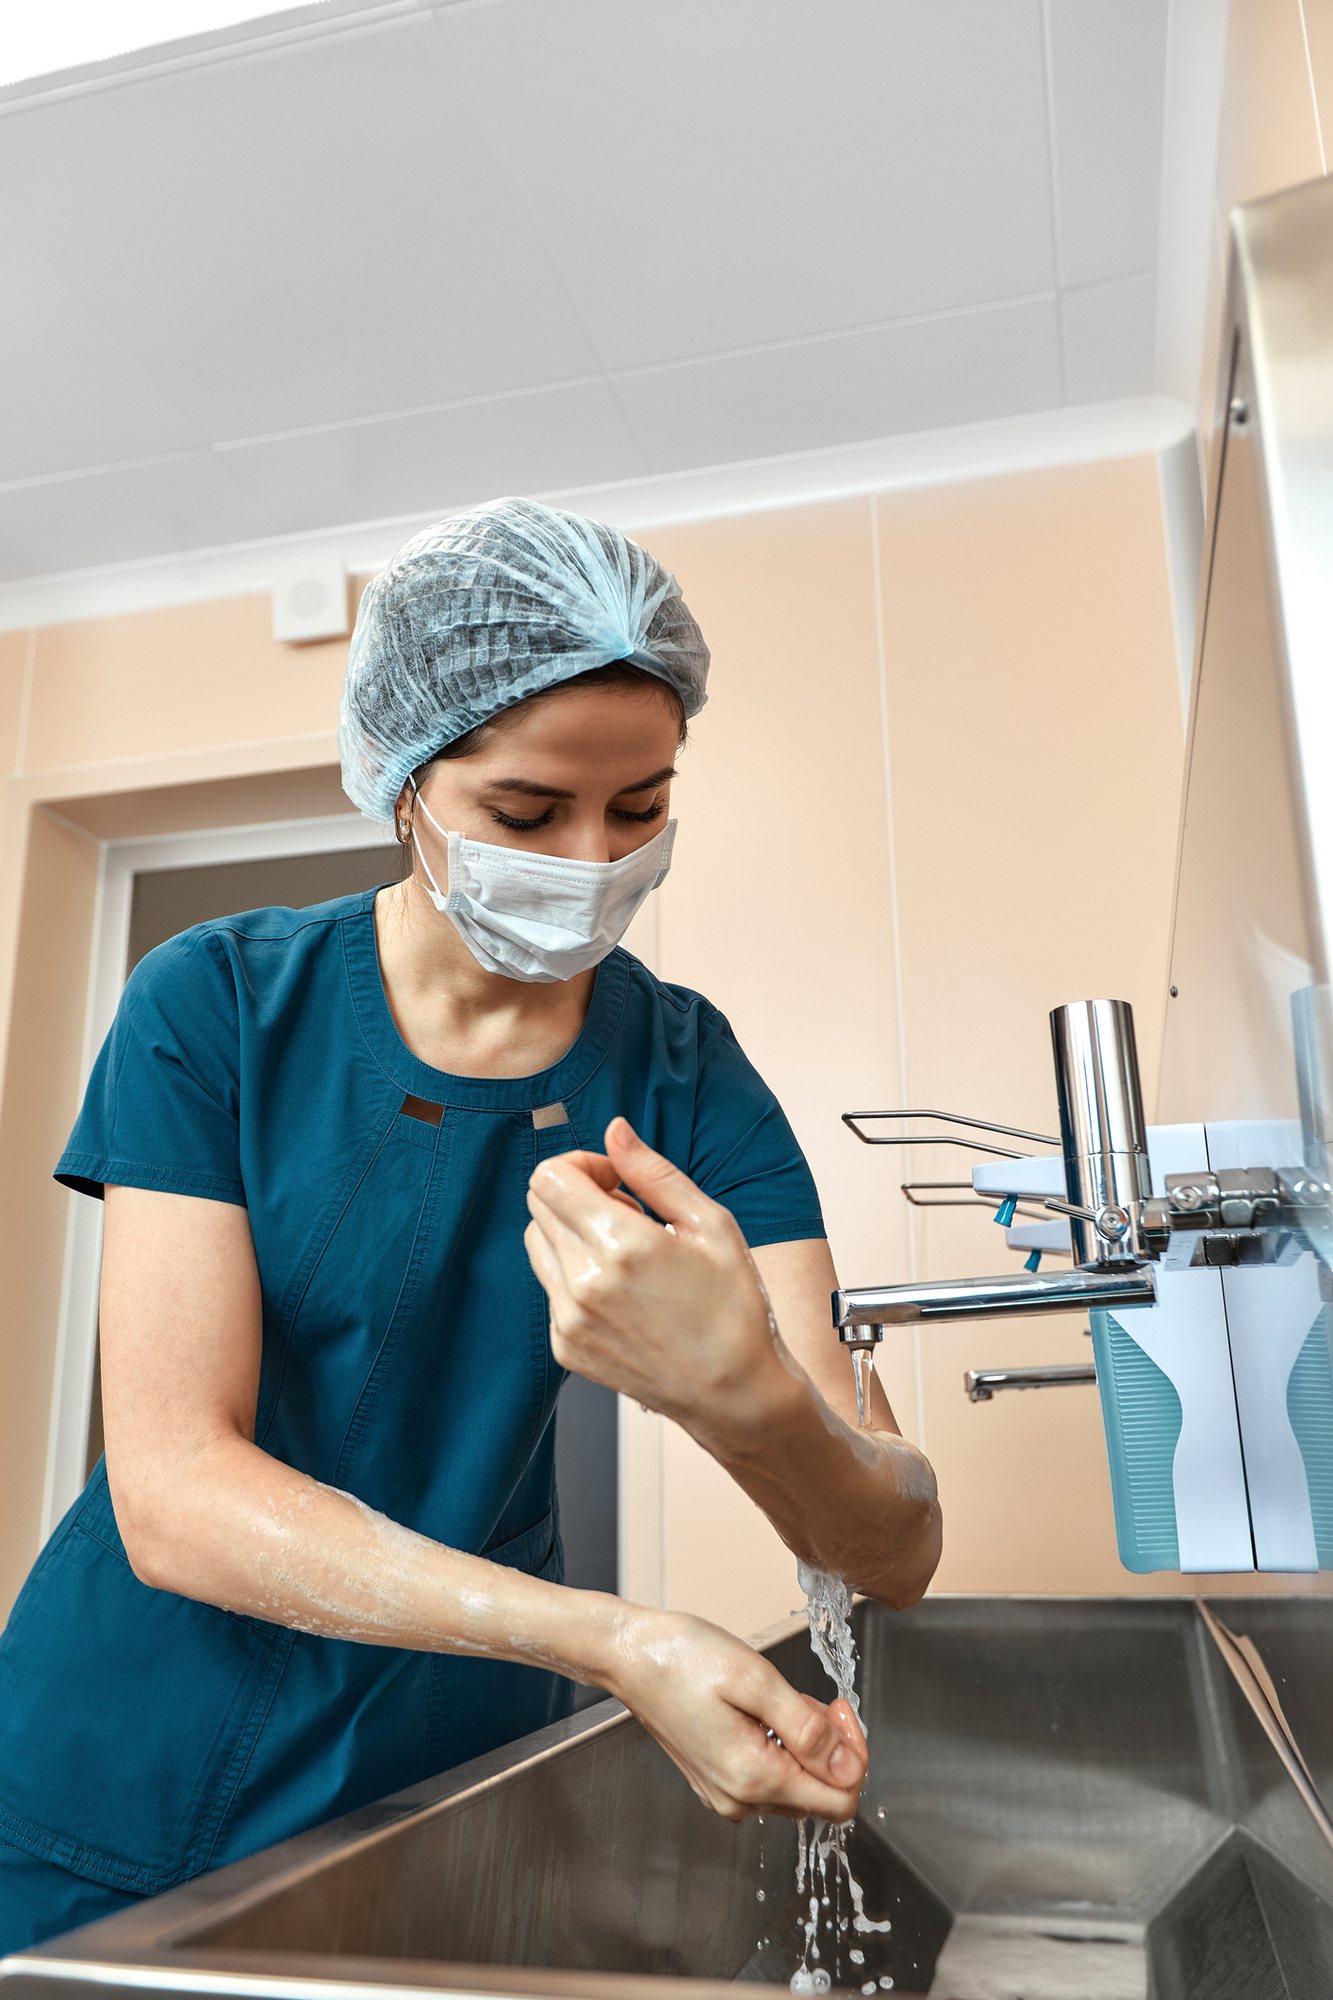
<point>538,916</point>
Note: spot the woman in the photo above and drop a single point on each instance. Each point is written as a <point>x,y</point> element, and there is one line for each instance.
<point>320,1560</point>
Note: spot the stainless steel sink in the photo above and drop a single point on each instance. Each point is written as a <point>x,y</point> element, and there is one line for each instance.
<point>1067,1800</point>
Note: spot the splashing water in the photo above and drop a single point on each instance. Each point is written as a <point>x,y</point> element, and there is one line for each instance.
<point>828,1605</point>
<point>823,1849</point>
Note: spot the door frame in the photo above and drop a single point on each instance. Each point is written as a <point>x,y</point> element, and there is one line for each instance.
<point>641,1453</point>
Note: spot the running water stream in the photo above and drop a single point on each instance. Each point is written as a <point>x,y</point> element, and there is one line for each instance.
<point>863,1366</point>
<point>822,1861</point>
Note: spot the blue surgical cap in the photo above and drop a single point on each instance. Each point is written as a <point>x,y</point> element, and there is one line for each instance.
<point>485,608</point>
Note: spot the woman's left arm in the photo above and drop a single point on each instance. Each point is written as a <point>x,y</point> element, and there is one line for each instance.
<point>738,1348</point>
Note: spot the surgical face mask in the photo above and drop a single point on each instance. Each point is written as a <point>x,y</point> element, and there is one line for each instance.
<point>538,916</point>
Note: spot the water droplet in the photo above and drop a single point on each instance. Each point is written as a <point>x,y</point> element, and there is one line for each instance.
<point>823,1902</point>
<point>857,1956</point>
<point>869,1986</point>
<point>819,1980</point>
<point>886,1982</point>
<point>880,1813</point>
<point>759,1896</point>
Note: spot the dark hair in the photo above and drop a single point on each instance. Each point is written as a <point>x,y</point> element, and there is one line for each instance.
<point>616,673</point>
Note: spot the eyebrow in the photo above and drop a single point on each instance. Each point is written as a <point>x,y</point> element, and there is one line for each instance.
<point>526,789</point>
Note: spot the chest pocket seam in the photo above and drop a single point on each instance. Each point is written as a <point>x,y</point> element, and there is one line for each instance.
<point>363,1409</point>
<point>289,1306</point>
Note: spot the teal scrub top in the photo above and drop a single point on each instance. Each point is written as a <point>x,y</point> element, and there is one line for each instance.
<point>145,1737</point>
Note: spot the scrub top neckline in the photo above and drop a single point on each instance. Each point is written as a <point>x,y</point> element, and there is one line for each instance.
<point>477,1093</point>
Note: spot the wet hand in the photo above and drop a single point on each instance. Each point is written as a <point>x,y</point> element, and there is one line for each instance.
<point>674,1316</point>
<point>711,1702</point>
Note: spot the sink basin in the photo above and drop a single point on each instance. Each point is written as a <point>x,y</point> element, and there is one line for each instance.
<point>1067,1799</point>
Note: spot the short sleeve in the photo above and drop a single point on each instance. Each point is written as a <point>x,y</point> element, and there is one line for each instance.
<point>162,1106</point>
<point>744,1153</point>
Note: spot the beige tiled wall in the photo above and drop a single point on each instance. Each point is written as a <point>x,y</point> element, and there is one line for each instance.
<point>779,906</point>
<point>933,793</point>
<point>1036,801</point>
<point>965,703</point>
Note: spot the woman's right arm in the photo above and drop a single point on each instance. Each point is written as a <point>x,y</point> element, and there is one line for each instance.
<point>204,1512</point>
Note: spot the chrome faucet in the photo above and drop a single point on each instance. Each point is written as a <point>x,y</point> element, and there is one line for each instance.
<point>1119,1235</point>
<point>857,1314</point>
<point>1106,1189</point>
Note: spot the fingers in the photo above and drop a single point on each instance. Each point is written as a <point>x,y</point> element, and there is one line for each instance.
<point>783,1784</point>
<point>824,1748</point>
<point>546,1266</point>
<point>667,1191</point>
<point>836,1752</point>
<point>845,1716</point>
<point>595,1165</point>
<point>572,1249</point>
<point>585,1203</point>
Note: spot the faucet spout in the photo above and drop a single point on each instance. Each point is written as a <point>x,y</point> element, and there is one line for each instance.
<point>1113,1286</point>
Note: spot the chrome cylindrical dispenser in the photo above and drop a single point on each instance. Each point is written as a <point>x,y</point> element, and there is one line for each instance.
<point>1102,1129</point>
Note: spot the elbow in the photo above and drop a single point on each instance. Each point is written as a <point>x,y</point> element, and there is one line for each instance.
<point>169,1515</point>
<point>905,1580</point>
<point>149,1557</point>
<point>149,1548</point>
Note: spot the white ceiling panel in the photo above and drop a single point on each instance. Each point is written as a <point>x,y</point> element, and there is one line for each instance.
<point>313,232</point>
<point>373,259</point>
<point>72,395</point>
<point>717,175</point>
<point>119,515</point>
<point>540,441</point>
<point>1109,333</point>
<point>1108,72</point>
<point>960,368</point>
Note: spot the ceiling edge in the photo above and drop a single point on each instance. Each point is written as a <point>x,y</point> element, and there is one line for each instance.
<point>1124,429</point>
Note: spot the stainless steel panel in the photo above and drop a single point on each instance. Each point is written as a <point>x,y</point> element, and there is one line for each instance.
<point>1042,1754</point>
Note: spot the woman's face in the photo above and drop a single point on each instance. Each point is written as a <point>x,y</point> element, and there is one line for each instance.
<point>584,773</point>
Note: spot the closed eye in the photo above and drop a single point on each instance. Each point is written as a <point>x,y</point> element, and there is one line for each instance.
<point>521,825</point>
<point>654,811</point>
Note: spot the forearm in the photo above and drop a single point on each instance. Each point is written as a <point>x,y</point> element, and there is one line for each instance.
<point>241,1530</point>
<point>860,1503</point>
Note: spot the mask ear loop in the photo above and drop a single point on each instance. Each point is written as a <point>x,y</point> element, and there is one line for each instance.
<point>438,896</point>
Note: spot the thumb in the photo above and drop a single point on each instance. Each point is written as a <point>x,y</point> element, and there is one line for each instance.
<point>667,1191</point>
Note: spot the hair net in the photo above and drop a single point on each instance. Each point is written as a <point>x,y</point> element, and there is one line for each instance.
<point>486,607</point>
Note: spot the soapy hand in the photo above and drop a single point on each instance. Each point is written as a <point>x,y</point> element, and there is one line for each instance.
<point>711,1702</point>
<point>676,1317</point>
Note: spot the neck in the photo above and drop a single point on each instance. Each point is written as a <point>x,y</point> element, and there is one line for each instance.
<point>441,997</point>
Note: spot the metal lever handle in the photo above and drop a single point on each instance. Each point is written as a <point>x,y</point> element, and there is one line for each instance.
<point>850,1118</point>
<point>962,1194</point>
